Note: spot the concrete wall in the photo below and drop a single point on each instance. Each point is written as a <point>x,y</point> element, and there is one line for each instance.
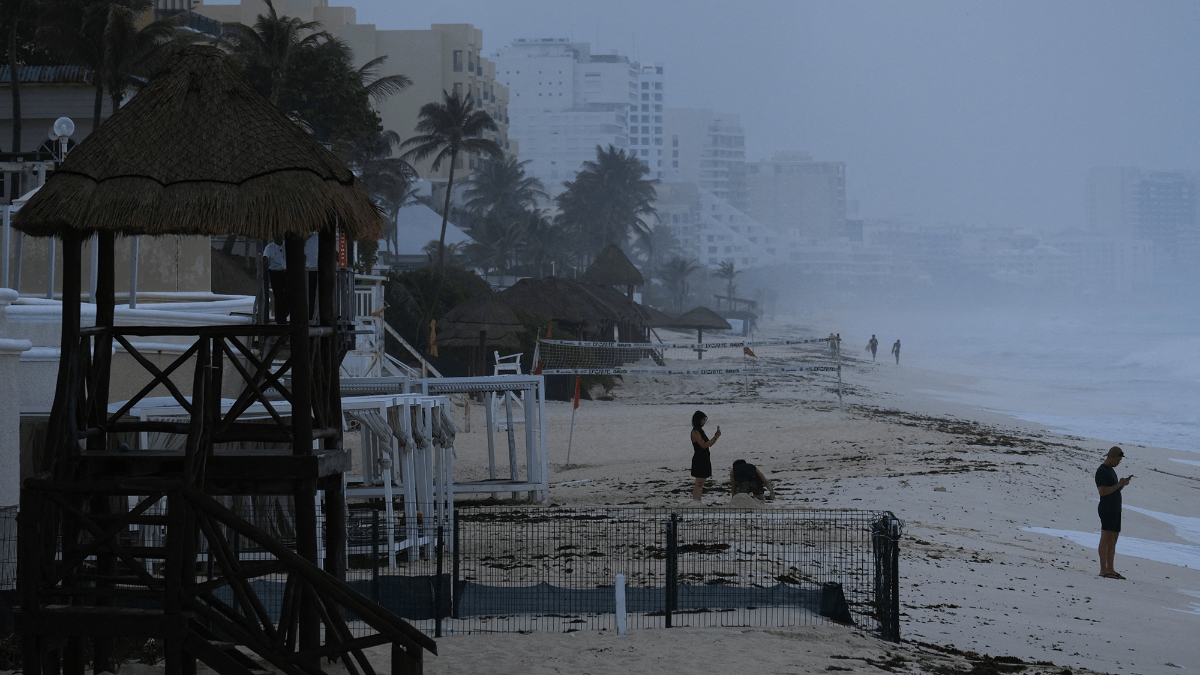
<point>10,415</point>
<point>171,263</point>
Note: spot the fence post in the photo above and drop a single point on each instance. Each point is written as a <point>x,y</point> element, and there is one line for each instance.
<point>619,590</point>
<point>672,566</point>
<point>375,555</point>
<point>894,584</point>
<point>454,569</point>
<point>437,588</point>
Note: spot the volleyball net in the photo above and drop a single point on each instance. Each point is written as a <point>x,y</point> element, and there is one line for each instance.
<point>726,357</point>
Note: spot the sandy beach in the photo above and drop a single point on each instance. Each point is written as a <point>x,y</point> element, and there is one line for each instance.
<point>967,482</point>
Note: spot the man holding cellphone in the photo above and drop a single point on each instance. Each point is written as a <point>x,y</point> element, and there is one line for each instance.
<point>1110,510</point>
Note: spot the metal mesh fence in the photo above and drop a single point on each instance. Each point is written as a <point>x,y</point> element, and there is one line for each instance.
<point>522,569</point>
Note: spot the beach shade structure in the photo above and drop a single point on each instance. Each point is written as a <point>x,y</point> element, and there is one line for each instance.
<point>197,152</point>
<point>478,323</point>
<point>613,268</point>
<point>654,317</point>
<point>699,319</point>
<point>574,305</point>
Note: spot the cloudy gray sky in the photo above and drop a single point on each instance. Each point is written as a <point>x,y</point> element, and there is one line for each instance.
<point>943,111</point>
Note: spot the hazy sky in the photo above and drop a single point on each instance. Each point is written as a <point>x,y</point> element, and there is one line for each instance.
<point>943,111</point>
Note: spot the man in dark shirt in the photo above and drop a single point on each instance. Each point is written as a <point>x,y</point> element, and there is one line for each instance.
<point>1110,510</point>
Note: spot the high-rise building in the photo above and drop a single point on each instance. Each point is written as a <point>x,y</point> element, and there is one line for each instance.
<point>446,57</point>
<point>709,149</point>
<point>646,121</point>
<point>565,101</point>
<point>1158,206</point>
<point>797,195</point>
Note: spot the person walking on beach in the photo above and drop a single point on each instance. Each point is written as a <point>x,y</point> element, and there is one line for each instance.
<point>896,351</point>
<point>872,346</point>
<point>746,478</point>
<point>701,462</point>
<point>1110,510</point>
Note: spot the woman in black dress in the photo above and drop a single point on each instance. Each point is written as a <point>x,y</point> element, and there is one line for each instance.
<point>701,464</point>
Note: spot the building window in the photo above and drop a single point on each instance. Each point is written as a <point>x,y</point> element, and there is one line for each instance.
<point>658,130</point>
<point>658,97</point>
<point>645,153</point>
<point>658,108</point>
<point>458,60</point>
<point>645,85</point>
<point>458,89</point>
<point>675,164</point>
<point>658,119</point>
<point>645,108</point>
<point>674,153</point>
<point>645,97</point>
<point>658,86</point>
<point>674,217</point>
<point>658,140</point>
<point>645,130</point>
<point>675,142</point>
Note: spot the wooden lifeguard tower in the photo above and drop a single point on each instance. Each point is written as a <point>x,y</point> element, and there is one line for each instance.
<point>198,152</point>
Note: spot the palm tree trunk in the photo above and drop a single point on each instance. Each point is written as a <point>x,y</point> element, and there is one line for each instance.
<point>446,213</point>
<point>99,108</point>
<point>16,85</point>
<point>16,101</point>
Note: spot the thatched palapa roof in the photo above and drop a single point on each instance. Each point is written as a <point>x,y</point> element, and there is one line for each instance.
<point>699,318</point>
<point>198,151</point>
<point>612,268</point>
<point>461,326</point>
<point>571,301</point>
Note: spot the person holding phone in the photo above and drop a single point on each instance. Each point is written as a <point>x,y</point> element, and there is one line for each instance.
<point>701,461</point>
<point>1110,510</point>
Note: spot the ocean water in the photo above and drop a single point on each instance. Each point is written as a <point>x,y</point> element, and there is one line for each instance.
<point>1129,375</point>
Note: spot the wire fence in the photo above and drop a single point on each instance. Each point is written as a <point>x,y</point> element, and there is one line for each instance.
<point>523,569</point>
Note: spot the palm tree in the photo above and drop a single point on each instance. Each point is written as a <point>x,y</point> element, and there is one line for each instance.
<point>607,200</point>
<point>675,273</point>
<point>656,248</point>
<point>544,245</point>
<point>103,35</point>
<point>499,185</point>
<point>271,44</point>
<point>130,51</point>
<point>446,130</point>
<point>725,270</point>
<point>388,180</point>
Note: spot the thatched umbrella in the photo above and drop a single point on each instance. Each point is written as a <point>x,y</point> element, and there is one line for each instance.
<point>613,268</point>
<point>699,318</point>
<point>562,300</point>
<point>481,321</point>
<point>198,151</point>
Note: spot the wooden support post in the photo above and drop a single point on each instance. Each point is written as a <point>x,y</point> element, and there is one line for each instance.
<point>302,438</point>
<point>61,430</point>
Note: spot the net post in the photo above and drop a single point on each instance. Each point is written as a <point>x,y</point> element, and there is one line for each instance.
<point>672,567</point>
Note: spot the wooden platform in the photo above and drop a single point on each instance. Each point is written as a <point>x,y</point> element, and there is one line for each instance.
<point>227,471</point>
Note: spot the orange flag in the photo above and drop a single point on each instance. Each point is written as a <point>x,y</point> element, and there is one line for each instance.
<point>749,352</point>
<point>578,379</point>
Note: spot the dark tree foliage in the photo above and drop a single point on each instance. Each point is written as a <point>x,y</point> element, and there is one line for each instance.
<point>322,88</point>
<point>417,296</point>
<point>607,201</point>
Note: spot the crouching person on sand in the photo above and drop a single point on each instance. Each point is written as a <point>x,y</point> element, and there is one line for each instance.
<point>745,478</point>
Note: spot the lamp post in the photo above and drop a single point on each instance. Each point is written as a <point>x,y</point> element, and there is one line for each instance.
<point>61,131</point>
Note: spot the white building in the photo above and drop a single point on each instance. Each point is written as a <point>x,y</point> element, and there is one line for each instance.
<point>709,148</point>
<point>712,231</point>
<point>565,101</point>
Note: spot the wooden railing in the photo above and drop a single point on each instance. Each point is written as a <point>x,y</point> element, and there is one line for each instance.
<point>95,576</point>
